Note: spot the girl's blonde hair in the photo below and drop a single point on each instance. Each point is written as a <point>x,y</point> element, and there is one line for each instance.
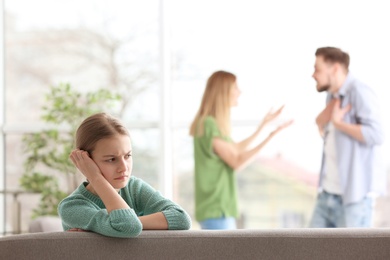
<point>96,127</point>
<point>215,103</point>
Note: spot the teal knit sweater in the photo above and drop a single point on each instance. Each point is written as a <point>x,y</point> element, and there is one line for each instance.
<point>86,211</point>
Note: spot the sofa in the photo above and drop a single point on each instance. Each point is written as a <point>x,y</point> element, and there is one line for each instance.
<point>240,244</point>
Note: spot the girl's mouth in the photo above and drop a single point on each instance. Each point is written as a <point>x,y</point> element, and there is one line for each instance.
<point>121,178</point>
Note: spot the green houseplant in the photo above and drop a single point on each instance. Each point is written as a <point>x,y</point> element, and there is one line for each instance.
<point>47,168</point>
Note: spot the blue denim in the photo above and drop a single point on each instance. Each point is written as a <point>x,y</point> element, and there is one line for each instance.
<point>218,223</point>
<point>331,212</point>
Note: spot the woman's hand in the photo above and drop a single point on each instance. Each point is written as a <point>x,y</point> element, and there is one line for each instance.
<point>84,163</point>
<point>281,127</point>
<point>271,116</point>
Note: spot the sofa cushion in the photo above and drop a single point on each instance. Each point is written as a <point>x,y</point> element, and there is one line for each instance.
<point>200,244</point>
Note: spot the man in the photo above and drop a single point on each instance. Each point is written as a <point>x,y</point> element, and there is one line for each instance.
<point>352,132</point>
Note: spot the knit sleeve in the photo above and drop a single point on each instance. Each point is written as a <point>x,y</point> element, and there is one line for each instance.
<point>149,201</point>
<point>77,212</point>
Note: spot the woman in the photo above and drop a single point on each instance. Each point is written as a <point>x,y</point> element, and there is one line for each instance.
<point>112,202</point>
<point>217,156</point>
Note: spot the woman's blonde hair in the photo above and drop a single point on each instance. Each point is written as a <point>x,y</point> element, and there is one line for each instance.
<point>96,127</point>
<point>215,103</point>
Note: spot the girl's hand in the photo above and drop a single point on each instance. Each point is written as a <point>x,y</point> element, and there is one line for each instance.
<point>84,163</point>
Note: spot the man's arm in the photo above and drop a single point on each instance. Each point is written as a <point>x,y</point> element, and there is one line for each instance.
<point>367,128</point>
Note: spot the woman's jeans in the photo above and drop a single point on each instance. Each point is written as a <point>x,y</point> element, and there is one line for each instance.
<point>219,223</point>
<point>331,212</point>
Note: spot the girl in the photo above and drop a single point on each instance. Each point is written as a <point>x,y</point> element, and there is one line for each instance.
<point>112,202</point>
<point>217,157</point>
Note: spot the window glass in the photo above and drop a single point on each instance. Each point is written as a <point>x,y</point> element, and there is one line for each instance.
<point>270,47</point>
<point>91,45</point>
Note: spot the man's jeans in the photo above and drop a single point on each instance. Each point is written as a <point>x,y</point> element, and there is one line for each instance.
<point>330,212</point>
<point>219,223</point>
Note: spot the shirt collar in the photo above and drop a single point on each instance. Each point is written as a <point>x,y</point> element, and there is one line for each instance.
<point>346,85</point>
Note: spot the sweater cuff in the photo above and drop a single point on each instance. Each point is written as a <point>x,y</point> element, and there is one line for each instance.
<point>177,219</point>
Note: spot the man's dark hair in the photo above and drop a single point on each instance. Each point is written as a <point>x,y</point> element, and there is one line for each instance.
<point>332,55</point>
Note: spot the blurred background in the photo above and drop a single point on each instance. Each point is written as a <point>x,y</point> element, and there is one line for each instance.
<point>152,58</point>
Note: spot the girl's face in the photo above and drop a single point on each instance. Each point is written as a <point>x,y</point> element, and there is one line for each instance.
<point>234,94</point>
<point>113,157</point>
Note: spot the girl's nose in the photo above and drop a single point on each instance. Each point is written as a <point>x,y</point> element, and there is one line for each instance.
<point>122,167</point>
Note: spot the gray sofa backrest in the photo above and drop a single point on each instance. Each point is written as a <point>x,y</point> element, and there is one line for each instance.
<point>196,244</point>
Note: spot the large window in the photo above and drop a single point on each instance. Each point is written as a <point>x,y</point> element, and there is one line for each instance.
<point>119,46</point>
<point>90,45</point>
<point>270,46</point>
